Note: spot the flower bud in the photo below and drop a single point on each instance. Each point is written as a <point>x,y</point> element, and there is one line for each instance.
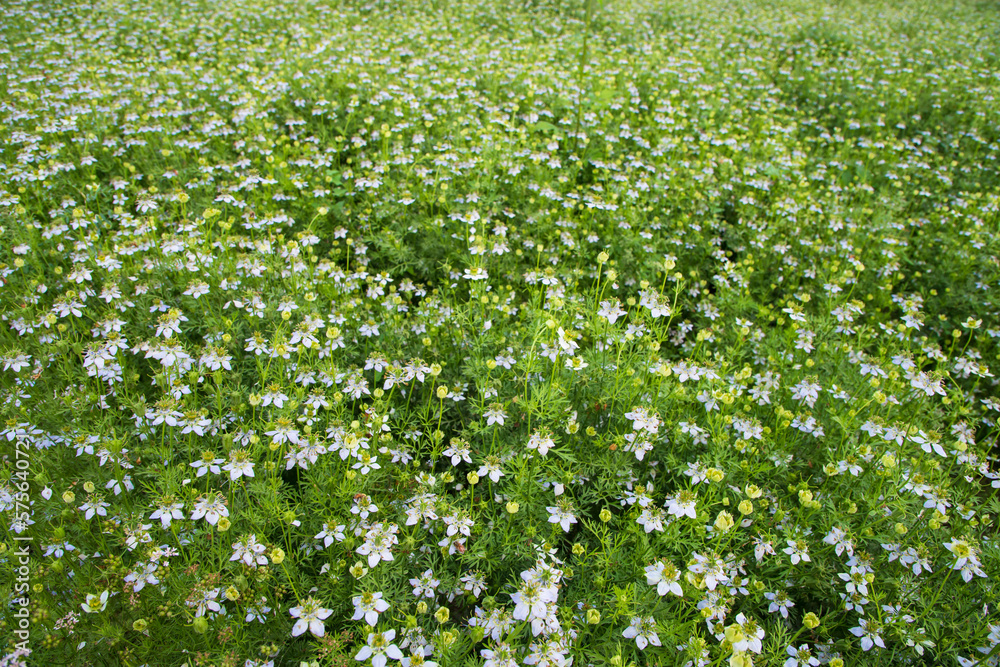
<point>724,521</point>
<point>593,617</point>
<point>200,625</point>
<point>512,507</point>
<point>734,633</point>
<point>277,555</point>
<point>605,515</point>
<point>442,615</point>
<point>811,621</point>
<point>741,660</point>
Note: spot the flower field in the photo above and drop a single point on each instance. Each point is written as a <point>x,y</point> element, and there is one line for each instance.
<point>434,334</point>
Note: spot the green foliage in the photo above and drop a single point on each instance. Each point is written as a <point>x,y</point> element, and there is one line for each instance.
<point>622,333</point>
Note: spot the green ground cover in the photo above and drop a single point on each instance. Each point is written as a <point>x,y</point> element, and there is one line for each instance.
<point>605,334</point>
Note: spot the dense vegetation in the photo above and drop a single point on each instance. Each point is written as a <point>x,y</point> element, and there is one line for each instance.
<point>493,334</point>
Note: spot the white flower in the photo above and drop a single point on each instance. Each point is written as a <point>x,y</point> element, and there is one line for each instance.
<point>966,558</point>
<point>711,567</point>
<point>283,432</point>
<point>207,464</point>
<point>643,420</point>
<point>611,310</point>
<point>501,655</point>
<point>363,506</point>
<point>95,505</point>
<point>840,541</point>
<point>533,602</point>
<point>379,646</point>
<point>417,657</point>
<point>250,552</point>
<point>800,657</point>
<point>258,611</point>
<point>240,464</point>
<point>868,631</point>
<point>797,550</point>
<point>651,518</point>
<point>212,508</point>
<point>473,583</point>
<point>167,512</point>
<point>745,635</point>
<point>95,603</point>
<point>328,535</point>
<point>426,585</point>
<point>779,603</point>
<point>205,601</point>
<point>16,363</point>
<point>378,543</point>
<point>495,415</point>
<point>685,503</point>
<point>643,629</point>
<point>562,514</point>
<point>368,606</point>
<point>541,442</point>
<point>145,573</point>
<point>665,576</point>
<point>806,391</point>
<point>458,452</point>
<point>491,468</point>
<point>311,616</point>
